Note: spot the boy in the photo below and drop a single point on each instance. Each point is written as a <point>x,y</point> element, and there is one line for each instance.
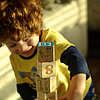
<point>20,31</point>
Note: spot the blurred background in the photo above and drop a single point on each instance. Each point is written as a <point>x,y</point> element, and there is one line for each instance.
<point>79,22</point>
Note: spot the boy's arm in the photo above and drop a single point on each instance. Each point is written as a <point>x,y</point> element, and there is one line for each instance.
<point>75,61</point>
<point>79,72</point>
<point>76,89</point>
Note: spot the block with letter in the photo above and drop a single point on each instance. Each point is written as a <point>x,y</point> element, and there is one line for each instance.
<point>46,69</point>
<point>45,51</point>
<point>46,81</point>
<point>46,96</point>
<point>46,85</point>
<point>41,95</point>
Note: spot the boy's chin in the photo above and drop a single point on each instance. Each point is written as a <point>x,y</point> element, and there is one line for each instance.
<point>28,54</point>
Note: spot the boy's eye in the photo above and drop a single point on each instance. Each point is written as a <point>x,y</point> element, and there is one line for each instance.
<point>13,45</point>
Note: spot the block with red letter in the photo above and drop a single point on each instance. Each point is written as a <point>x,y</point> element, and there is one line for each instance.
<point>45,51</point>
<point>46,69</point>
<point>46,85</point>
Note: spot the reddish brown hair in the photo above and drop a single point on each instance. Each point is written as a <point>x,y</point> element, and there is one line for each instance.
<point>19,19</point>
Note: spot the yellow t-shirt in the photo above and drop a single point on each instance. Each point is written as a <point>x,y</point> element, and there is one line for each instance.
<point>23,68</point>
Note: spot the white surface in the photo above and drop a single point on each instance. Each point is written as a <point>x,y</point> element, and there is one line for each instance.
<point>71,21</point>
<point>7,78</point>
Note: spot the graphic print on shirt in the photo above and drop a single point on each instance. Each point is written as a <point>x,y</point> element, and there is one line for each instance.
<point>31,75</point>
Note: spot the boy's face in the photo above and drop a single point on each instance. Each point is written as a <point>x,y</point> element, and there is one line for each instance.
<point>25,47</point>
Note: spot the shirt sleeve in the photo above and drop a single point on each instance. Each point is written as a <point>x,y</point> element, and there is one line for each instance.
<point>76,62</point>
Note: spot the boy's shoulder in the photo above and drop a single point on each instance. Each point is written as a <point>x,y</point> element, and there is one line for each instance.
<point>45,34</point>
<point>50,34</point>
<point>48,30</point>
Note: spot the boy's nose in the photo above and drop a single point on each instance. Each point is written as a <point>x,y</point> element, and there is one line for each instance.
<point>22,46</point>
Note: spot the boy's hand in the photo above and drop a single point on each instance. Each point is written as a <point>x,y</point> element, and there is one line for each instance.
<point>77,88</point>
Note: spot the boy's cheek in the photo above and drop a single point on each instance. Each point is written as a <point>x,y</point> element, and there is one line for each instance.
<point>13,51</point>
<point>34,41</point>
<point>30,43</point>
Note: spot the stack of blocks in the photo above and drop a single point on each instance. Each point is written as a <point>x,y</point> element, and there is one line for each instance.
<point>46,70</point>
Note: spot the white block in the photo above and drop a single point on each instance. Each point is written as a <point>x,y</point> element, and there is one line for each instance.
<point>46,85</point>
<point>47,96</point>
<point>46,69</point>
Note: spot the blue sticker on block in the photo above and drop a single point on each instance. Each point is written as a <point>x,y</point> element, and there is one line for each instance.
<point>46,44</point>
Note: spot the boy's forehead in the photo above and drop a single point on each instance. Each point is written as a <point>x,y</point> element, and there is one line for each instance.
<point>12,40</point>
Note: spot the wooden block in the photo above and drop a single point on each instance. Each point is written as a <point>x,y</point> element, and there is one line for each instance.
<point>46,69</point>
<point>47,96</point>
<point>52,96</point>
<point>46,85</point>
<point>45,51</point>
<point>41,95</point>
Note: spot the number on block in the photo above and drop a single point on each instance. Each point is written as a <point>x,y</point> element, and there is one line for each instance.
<point>46,69</point>
<point>46,85</point>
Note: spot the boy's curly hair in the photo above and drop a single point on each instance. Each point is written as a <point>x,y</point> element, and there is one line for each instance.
<point>19,19</point>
